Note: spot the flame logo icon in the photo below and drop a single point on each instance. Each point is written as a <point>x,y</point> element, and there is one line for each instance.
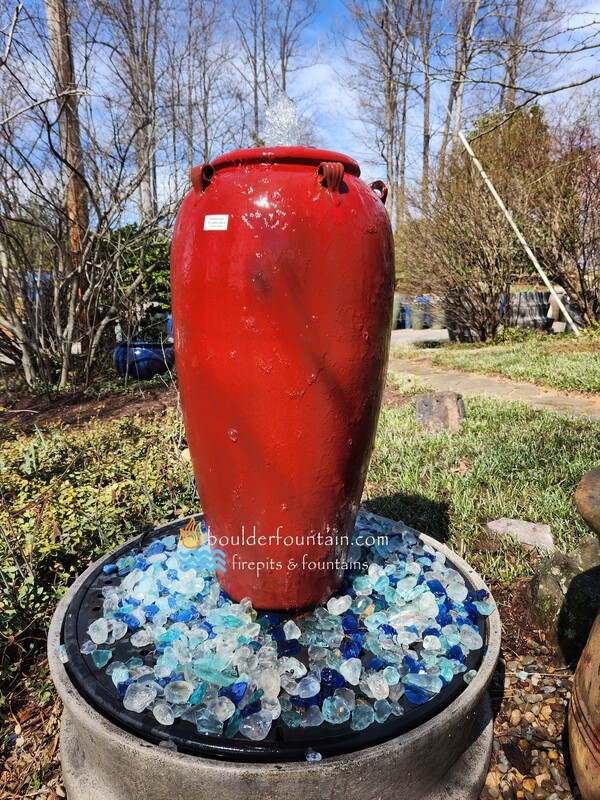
<point>192,535</point>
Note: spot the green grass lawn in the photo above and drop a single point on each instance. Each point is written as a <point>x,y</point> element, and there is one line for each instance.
<point>67,495</point>
<point>506,461</point>
<point>560,362</point>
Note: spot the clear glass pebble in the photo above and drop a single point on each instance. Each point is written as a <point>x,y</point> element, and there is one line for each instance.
<point>98,631</point>
<point>178,692</point>
<point>351,670</point>
<point>291,630</point>
<point>222,708</point>
<point>163,713</point>
<point>339,605</point>
<point>311,718</point>
<point>308,687</point>
<point>312,756</point>
<point>257,726</point>
<point>138,698</point>
<point>379,687</point>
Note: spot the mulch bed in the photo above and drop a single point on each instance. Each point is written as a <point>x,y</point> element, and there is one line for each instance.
<point>75,408</point>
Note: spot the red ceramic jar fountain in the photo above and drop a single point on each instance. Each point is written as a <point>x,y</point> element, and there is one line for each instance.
<point>282,282</point>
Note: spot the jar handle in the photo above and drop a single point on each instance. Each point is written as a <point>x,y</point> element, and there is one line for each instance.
<point>330,176</point>
<point>381,189</point>
<point>201,177</point>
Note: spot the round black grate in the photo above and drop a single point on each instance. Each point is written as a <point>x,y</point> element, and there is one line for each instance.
<point>282,744</point>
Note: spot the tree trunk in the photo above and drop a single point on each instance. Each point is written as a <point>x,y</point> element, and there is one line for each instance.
<point>76,198</point>
<point>512,62</point>
<point>426,13</point>
<point>465,54</point>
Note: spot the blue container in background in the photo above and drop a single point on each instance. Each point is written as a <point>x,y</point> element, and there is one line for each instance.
<point>404,319</point>
<point>423,302</point>
<point>143,360</point>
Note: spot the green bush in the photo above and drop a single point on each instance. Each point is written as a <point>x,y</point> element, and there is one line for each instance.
<point>66,497</point>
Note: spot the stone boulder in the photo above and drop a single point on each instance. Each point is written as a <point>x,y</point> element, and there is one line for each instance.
<point>587,498</point>
<point>566,597</point>
<point>440,411</point>
<point>529,534</point>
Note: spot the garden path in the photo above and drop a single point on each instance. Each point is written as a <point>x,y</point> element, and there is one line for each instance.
<point>470,385</point>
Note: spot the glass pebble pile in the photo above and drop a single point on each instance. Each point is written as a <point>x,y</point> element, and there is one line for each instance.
<point>398,630</point>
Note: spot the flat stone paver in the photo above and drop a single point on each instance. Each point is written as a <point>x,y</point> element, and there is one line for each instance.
<point>409,336</point>
<point>487,386</point>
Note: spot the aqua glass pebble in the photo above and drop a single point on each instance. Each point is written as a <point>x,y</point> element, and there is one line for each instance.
<point>233,724</point>
<point>362,716</point>
<point>198,694</point>
<point>363,583</point>
<point>336,710</point>
<point>101,657</point>
<point>485,609</point>
<point>291,718</point>
<point>207,723</point>
<point>382,709</point>
<point>391,675</point>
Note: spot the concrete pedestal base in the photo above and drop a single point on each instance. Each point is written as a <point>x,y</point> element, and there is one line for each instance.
<point>398,769</point>
<point>444,759</point>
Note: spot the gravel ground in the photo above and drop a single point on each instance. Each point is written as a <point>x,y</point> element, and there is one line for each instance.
<point>528,761</point>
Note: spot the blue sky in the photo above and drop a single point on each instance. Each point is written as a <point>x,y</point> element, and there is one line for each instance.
<point>322,91</point>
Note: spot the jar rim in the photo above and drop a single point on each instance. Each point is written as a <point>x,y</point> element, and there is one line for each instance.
<point>301,156</point>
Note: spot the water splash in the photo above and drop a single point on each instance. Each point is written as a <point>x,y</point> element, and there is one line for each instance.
<point>282,127</point>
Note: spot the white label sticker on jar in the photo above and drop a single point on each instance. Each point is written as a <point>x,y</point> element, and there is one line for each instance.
<point>216,222</point>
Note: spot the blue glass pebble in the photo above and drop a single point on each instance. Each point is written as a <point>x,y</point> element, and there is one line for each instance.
<point>416,695</point>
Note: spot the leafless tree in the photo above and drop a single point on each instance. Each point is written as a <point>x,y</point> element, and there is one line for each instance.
<point>270,38</point>
<point>130,31</point>
<point>64,276</point>
<point>380,48</point>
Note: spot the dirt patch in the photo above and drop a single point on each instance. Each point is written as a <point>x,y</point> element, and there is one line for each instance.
<point>392,398</point>
<point>76,408</point>
<point>520,628</point>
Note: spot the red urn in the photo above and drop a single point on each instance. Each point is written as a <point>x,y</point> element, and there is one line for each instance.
<point>282,276</point>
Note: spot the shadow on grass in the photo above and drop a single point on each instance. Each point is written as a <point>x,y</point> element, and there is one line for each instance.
<point>419,512</point>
